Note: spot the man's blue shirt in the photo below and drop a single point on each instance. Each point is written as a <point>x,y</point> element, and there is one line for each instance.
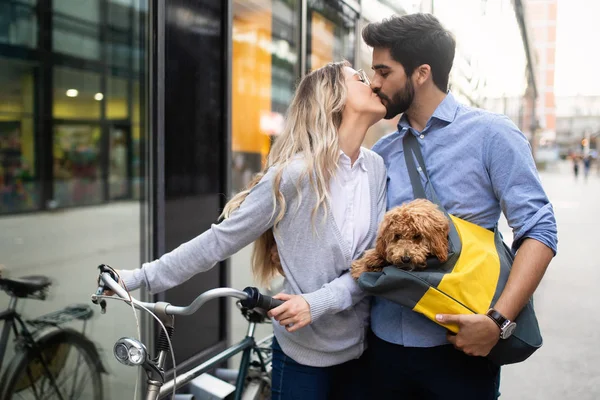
<point>479,164</point>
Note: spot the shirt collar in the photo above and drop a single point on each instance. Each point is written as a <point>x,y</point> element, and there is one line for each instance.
<point>445,111</point>
<point>360,161</point>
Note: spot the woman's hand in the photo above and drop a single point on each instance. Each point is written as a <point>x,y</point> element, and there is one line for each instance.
<point>293,314</point>
<point>109,292</point>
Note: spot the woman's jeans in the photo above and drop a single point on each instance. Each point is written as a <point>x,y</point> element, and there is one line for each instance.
<point>294,381</point>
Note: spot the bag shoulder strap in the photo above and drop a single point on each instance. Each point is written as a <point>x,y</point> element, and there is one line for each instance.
<point>412,150</point>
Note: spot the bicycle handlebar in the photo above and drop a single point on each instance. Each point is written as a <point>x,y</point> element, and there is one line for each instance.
<point>250,297</point>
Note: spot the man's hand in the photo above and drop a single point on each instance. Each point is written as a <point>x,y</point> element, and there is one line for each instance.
<point>293,314</point>
<point>477,333</point>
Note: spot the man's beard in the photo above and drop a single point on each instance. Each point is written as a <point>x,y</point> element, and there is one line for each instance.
<point>401,101</point>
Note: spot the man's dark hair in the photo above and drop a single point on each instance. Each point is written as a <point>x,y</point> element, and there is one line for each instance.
<point>413,40</point>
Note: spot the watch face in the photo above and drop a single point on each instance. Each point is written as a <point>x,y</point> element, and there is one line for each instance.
<point>506,332</point>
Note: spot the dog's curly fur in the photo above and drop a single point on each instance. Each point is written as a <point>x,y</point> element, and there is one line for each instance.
<point>407,235</point>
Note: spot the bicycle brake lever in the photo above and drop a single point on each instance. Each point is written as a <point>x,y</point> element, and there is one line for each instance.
<point>102,302</point>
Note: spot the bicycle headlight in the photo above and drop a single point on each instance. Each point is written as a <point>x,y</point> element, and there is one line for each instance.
<point>130,351</point>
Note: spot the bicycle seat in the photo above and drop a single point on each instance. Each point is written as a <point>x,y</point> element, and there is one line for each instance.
<point>26,286</point>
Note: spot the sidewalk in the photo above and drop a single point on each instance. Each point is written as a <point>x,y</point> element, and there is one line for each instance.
<point>567,366</point>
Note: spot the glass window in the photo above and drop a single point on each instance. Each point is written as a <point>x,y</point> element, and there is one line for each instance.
<point>76,28</point>
<point>117,101</point>
<point>331,27</point>
<point>77,94</point>
<point>70,134</point>
<point>18,23</point>
<point>19,187</point>
<point>264,74</point>
<point>119,34</point>
<point>77,165</point>
<point>118,177</point>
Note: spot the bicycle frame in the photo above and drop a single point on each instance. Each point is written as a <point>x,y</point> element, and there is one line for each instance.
<point>165,313</point>
<point>246,346</point>
<point>10,317</point>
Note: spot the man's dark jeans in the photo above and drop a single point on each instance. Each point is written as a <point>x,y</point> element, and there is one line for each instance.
<point>435,373</point>
<point>294,381</point>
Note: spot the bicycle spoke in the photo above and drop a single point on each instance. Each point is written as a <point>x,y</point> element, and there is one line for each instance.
<point>72,381</point>
<point>68,374</point>
<point>75,377</point>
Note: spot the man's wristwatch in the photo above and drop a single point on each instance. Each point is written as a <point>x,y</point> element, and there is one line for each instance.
<point>507,327</point>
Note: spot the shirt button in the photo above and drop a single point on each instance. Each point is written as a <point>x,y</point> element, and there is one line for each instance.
<point>422,136</point>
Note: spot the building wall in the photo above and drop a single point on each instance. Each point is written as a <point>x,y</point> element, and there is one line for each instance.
<point>541,15</point>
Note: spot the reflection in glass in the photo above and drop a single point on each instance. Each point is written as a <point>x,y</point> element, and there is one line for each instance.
<point>18,23</point>
<point>72,114</point>
<point>116,98</point>
<point>76,94</point>
<point>19,185</point>
<point>118,174</point>
<point>77,168</point>
<point>76,28</point>
<point>19,190</point>
<point>264,74</point>
<point>331,33</point>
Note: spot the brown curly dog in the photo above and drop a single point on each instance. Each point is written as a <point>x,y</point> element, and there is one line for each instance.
<point>407,235</point>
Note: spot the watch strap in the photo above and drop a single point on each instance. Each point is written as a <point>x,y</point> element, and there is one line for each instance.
<point>498,318</point>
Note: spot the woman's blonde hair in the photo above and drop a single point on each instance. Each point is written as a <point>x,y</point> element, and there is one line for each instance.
<point>311,128</point>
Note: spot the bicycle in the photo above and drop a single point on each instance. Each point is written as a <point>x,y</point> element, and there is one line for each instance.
<point>45,349</point>
<point>253,377</point>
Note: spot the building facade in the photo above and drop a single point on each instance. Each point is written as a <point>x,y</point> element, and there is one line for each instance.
<point>542,16</point>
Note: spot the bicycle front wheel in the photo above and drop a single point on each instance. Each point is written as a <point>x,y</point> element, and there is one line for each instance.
<point>66,366</point>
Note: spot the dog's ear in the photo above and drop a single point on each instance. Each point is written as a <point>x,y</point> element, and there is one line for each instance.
<point>439,247</point>
<point>383,234</point>
<point>439,237</point>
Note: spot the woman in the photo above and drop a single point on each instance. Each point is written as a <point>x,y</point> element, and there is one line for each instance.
<point>320,198</point>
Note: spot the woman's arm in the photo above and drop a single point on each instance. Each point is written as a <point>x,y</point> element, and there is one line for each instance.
<point>254,216</point>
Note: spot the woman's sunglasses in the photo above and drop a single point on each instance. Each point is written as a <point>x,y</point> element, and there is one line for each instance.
<point>362,76</point>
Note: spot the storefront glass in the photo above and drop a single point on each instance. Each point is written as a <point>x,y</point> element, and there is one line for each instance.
<point>71,136</point>
<point>331,33</point>
<point>19,184</point>
<point>265,53</point>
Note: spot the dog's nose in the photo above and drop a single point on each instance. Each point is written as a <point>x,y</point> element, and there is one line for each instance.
<point>405,259</point>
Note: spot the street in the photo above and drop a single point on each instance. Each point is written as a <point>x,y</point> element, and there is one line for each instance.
<point>568,364</point>
<point>68,245</point>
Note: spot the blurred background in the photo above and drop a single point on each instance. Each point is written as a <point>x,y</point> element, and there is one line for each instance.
<point>125,125</point>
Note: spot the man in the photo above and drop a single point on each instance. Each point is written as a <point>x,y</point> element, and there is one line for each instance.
<point>479,164</point>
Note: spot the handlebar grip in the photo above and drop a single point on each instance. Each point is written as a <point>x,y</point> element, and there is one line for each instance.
<point>258,300</point>
<point>268,303</point>
<point>109,270</point>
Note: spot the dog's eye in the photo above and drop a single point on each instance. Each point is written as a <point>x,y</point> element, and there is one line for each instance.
<point>397,237</point>
<point>417,237</point>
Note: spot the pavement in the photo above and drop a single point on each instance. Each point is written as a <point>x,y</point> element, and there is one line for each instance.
<point>67,245</point>
<point>568,364</point>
